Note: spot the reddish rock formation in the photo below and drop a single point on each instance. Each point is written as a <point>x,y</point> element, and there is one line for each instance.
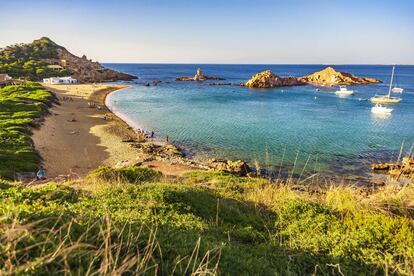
<point>238,167</point>
<point>330,77</point>
<point>406,168</point>
<point>85,70</point>
<point>267,79</point>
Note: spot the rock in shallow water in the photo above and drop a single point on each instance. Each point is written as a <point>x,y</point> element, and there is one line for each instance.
<point>238,167</point>
<point>267,79</point>
<point>330,77</point>
<point>198,77</point>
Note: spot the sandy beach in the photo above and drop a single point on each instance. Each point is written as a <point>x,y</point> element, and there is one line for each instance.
<point>76,138</point>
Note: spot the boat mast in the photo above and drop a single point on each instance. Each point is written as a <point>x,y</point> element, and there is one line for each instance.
<point>392,77</point>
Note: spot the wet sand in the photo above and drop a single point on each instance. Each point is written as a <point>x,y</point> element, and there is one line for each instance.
<point>76,138</point>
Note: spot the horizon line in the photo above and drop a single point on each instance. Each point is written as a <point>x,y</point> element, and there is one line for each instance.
<point>208,63</point>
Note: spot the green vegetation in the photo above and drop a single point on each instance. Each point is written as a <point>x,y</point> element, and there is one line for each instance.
<point>28,60</point>
<point>202,222</point>
<point>20,105</point>
<point>130,174</point>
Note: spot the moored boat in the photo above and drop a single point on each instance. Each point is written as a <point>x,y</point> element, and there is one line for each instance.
<point>397,90</point>
<point>387,99</point>
<point>343,91</point>
<point>378,99</point>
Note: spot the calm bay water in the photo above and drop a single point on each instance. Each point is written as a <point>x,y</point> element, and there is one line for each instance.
<point>277,127</point>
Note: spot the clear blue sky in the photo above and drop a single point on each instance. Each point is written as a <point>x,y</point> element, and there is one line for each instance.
<point>219,31</point>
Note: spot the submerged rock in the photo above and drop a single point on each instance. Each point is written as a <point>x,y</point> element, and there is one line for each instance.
<point>330,77</point>
<point>198,77</point>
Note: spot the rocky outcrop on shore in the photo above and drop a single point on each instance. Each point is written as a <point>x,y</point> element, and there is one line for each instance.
<point>161,151</point>
<point>331,77</point>
<point>238,167</point>
<point>267,79</point>
<point>406,168</point>
<point>198,77</point>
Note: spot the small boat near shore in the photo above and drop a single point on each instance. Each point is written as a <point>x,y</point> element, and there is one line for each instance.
<point>344,92</point>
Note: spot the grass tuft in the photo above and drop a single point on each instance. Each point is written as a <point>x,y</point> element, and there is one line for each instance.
<point>127,174</point>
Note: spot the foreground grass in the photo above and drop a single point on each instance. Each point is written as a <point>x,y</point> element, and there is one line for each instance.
<point>133,221</point>
<point>20,105</point>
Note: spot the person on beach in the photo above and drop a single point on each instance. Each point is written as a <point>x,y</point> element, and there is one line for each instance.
<point>152,134</point>
<point>41,174</point>
<point>167,139</point>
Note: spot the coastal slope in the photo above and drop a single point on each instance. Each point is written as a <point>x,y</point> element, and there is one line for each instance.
<point>44,58</point>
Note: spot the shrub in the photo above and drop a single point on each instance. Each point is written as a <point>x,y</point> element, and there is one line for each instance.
<point>134,175</point>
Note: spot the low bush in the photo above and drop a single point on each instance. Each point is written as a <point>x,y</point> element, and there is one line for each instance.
<point>127,174</point>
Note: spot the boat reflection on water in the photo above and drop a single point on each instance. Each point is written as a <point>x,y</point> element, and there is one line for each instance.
<point>381,116</point>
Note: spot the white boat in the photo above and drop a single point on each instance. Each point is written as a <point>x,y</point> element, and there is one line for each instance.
<point>397,90</point>
<point>379,109</point>
<point>387,99</point>
<point>343,92</point>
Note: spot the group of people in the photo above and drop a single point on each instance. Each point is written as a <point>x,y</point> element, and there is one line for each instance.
<point>144,133</point>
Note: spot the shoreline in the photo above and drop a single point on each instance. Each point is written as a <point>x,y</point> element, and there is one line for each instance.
<point>109,139</point>
<point>118,114</point>
<point>75,138</point>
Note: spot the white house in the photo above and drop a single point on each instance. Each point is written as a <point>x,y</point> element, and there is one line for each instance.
<point>60,80</point>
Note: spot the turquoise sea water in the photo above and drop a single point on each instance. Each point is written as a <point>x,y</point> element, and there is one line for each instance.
<point>277,127</point>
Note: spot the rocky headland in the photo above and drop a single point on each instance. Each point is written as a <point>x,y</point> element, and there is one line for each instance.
<point>85,70</point>
<point>48,59</point>
<point>199,76</point>
<point>331,77</point>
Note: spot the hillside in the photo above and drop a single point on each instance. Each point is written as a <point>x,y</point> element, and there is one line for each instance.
<point>21,106</point>
<point>134,221</point>
<point>44,58</point>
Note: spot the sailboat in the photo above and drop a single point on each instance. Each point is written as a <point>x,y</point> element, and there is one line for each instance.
<point>387,99</point>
